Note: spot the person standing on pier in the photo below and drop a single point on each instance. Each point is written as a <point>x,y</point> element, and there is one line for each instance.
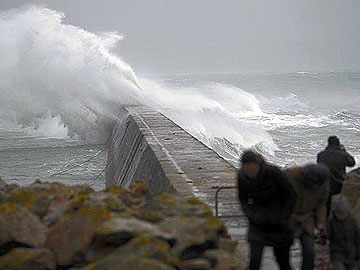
<point>268,200</point>
<point>336,159</point>
<point>311,183</point>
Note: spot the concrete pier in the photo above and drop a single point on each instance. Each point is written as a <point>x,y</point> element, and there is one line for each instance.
<point>147,145</point>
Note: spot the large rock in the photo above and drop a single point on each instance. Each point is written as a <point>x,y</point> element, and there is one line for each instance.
<point>158,208</point>
<point>118,231</point>
<point>38,196</point>
<point>105,200</point>
<point>194,234</point>
<point>133,264</point>
<point>27,259</point>
<point>195,264</point>
<point>221,259</point>
<point>144,246</point>
<point>71,236</point>
<point>19,227</point>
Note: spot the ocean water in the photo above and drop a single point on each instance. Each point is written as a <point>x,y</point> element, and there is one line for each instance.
<point>298,111</point>
<point>61,89</point>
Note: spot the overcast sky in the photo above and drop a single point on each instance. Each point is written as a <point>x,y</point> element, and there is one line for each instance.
<point>187,36</point>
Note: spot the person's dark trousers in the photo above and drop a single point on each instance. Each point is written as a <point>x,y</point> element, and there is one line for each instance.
<point>308,252</point>
<point>282,254</point>
<point>328,206</point>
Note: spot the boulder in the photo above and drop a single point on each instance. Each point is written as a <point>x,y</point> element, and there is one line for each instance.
<point>194,234</point>
<point>133,264</point>
<point>228,244</point>
<point>195,264</point>
<point>55,210</point>
<point>118,231</point>
<point>175,205</point>
<point>144,246</point>
<point>71,236</point>
<point>19,227</point>
<point>221,259</point>
<point>105,200</point>
<point>38,196</point>
<point>28,258</point>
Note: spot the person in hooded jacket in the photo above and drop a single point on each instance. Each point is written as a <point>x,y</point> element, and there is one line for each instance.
<point>344,235</point>
<point>267,199</point>
<point>336,159</point>
<point>311,183</point>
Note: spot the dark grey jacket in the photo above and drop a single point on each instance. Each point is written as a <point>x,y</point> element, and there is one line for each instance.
<point>268,202</point>
<point>344,239</point>
<point>336,160</point>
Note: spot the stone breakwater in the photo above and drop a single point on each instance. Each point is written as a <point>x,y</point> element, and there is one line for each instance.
<point>147,145</point>
<point>48,226</point>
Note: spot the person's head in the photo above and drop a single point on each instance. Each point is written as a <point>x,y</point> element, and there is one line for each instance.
<point>342,208</point>
<point>251,164</point>
<point>333,141</point>
<point>314,175</point>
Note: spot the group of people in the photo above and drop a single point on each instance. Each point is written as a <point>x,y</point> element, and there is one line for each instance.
<point>283,205</point>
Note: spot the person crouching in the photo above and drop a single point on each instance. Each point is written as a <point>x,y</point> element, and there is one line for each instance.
<point>267,199</point>
<point>312,188</point>
<point>344,235</point>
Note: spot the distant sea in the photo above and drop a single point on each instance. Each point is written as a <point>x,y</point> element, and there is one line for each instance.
<point>289,116</point>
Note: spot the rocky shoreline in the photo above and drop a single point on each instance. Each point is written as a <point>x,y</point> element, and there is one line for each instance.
<point>48,226</point>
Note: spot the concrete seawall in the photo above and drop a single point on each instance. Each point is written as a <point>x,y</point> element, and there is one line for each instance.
<point>149,146</point>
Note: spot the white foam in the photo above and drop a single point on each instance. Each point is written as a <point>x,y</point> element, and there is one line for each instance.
<point>59,80</point>
<point>47,66</point>
<point>50,127</point>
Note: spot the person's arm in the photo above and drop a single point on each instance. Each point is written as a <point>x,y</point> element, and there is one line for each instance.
<point>243,198</point>
<point>350,161</point>
<point>288,197</point>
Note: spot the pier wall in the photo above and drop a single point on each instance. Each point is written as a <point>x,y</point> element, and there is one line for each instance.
<point>147,145</point>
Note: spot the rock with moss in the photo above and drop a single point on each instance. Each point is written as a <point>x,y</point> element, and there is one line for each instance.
<point>115,228</point>
<point>38,196</point>
<point>144,246</point>
<point>221,259</point>
<point>105,200</point>
<point>28,258</point>
<point>19,227</point>
<point>118,231</point>
<point>194,234</point>
<point>195,264</point>
<point>132,263</point>
<point>71,236</point>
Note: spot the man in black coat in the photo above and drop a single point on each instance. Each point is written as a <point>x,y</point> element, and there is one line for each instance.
<point>268,200</point>
<point>336,159</point>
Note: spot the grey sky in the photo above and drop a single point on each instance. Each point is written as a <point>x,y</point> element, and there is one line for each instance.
<point>185,36</point>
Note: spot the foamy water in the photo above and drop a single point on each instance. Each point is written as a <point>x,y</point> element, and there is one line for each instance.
<point>62,87</point>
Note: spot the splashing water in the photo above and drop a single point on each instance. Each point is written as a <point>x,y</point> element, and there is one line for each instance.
<point>59,80</point>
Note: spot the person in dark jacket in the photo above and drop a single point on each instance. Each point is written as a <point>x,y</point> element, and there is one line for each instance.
<point>344,235</point>
<point>268,200</point>
<point>311,183</point>
<point>336,159</point>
